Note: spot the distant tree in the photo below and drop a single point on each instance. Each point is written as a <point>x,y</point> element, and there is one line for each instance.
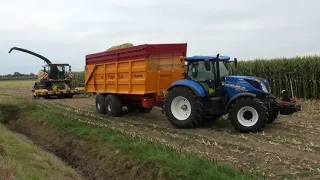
<point>16,74</point>
<point>125,45</point>
<point>32,74</point>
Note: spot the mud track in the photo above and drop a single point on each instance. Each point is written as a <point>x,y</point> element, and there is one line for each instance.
<point>289,148</point>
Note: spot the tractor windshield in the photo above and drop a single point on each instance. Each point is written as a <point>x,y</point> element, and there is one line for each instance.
<point>57,72</point>
<point>223,70</point>
<point>61,68</point>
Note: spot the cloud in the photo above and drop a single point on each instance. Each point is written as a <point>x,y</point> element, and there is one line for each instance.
<point>65,31</point>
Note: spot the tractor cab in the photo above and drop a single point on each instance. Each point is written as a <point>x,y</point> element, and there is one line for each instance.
<point>208,71</point>
<point>209,92</point>
<point>58,71</point>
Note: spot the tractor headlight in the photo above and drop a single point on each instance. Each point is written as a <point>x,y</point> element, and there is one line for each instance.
<point>264,88</point>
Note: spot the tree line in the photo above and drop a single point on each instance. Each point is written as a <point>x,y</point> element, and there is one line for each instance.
<point>17,74</point>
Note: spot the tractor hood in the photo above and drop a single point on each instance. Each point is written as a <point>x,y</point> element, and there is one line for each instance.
<point>249,83</point>
<point>245,78</point>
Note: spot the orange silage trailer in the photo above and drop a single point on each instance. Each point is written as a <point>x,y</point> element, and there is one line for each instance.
<point>136,77</point>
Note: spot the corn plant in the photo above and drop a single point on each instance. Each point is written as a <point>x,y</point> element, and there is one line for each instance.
<point>303,71</point>
<point>78,79</point>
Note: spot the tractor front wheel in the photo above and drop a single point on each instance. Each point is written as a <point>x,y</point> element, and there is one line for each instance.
<point>184,109</point>
<point>248,114</point>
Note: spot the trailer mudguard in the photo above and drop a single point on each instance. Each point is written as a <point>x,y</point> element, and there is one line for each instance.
<point>196,87</point>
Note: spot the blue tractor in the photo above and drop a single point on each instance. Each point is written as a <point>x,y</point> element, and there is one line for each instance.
<point>208,91</point>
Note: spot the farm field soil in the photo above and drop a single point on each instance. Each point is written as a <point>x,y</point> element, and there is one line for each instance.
<point>289,148</point>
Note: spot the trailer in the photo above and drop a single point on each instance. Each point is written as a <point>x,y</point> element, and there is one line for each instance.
<point>135,77</point>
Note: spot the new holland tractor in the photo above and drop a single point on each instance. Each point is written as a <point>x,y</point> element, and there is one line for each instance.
<point>54,80</point>
<point>209,91</point>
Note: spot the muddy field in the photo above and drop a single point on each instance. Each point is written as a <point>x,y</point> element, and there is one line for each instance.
<point>289,148</point>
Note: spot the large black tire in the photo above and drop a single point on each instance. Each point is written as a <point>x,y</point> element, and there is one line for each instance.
<point>196,104</point>
<point>113,105</point>
<point>273,115</point>
<point>254,110</point>
<point>100,104</point>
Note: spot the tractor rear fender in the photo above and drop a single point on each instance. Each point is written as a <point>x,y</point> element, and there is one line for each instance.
<point>194,86</point>
<point>234,98</point>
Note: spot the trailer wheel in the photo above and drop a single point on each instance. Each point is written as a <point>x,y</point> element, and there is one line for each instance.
<point>113,105</point>
<point>273,115</point>
<point>248,114</point>
<point>100,104</point>
<point>184,109</point>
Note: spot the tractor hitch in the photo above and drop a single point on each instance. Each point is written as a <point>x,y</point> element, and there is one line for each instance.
<point>288,105</point>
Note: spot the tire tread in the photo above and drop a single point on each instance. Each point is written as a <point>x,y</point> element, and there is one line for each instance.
<point>246,130</point>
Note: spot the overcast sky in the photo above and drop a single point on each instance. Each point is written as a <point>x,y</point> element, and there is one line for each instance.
<point>65,31</point>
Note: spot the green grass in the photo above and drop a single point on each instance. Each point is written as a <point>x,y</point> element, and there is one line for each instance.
<point>20,82</point>
<point>25,160</point>
<point>161,159</point>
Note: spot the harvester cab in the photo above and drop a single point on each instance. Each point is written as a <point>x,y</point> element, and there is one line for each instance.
<point>59,72</point>
<point>54,80</point>
<point>208,90</point>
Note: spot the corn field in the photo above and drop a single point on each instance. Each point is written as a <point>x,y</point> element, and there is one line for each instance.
<point>78,79</point>
<point>303,71</point>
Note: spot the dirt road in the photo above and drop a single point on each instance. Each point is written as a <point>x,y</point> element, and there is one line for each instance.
<point>289,148</point>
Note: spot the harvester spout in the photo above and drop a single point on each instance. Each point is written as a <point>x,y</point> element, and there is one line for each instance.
<point>30,52</point>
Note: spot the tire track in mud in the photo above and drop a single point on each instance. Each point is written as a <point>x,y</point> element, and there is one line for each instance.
<point>252,151</point>
<point>280,132</point>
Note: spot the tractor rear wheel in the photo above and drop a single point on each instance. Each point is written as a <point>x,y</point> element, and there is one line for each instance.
<point>100,104</point>
<point>184,109</point>
<point>248,114</point>
<point>113,105</point>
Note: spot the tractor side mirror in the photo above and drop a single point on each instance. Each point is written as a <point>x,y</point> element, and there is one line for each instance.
<point>69,68</point>
<point>207,65</point>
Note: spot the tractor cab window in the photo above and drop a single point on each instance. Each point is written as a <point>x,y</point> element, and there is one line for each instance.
<point>198,72</point>
<point>223,70</point>
<point>57,72</point>
<point>203,72</point>
<point>61,68</point>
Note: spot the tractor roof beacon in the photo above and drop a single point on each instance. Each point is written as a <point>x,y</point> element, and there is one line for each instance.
<point>208,90</point>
